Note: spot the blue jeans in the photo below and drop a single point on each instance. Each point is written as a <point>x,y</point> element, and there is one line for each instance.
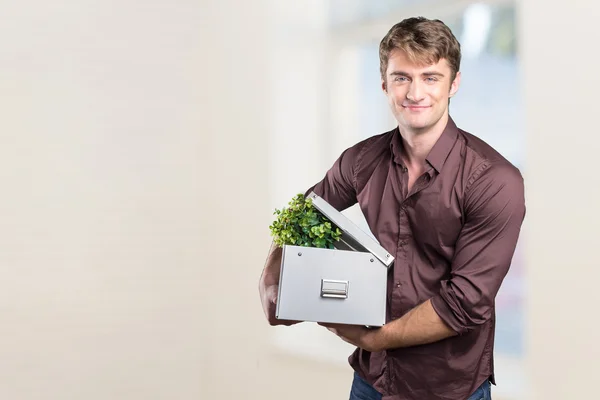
<point>361,390</point>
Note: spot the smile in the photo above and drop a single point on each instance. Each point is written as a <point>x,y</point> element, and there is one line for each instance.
<point>416,108</point>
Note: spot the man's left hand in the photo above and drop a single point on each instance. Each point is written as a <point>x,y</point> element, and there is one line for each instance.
<point>359,336</point>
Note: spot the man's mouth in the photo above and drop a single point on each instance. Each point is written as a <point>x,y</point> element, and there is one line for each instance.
<point>415,108</point>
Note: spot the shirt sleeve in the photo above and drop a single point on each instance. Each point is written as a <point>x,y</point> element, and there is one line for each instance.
<point>338,187</point>
<point>494,211</point>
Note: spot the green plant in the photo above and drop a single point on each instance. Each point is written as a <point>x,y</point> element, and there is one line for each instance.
<point>301,224</point>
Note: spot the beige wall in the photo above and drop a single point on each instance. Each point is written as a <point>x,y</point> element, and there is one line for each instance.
<point>134,154</point>
<point>135,205</point>
<point>102,156</point>
<point>561,85</point>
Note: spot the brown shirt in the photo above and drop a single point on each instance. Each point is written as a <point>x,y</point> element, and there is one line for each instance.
<point>453,237</point>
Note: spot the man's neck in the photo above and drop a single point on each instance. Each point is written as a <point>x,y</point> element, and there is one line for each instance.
<point>418,144</point>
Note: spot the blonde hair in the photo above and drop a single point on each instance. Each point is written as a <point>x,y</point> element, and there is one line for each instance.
<point>425,42</point>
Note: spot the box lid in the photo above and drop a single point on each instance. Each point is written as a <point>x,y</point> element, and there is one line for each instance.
<point>353,238</point>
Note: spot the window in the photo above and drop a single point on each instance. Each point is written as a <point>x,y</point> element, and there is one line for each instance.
<point>488,105</point>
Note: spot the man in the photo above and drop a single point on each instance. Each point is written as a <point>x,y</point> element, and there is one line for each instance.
<point>448,207</point>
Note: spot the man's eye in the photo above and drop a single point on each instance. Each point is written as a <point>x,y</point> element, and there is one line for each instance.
<point>400,79</point>
<point>431,79</point>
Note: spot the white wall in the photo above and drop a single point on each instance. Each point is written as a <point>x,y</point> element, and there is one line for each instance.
<point>102,155</point>
<point>134,144</point>
<point>561,86</point>
<point>133,147</point>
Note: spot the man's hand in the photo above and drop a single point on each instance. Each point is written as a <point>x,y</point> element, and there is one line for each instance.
<point>269,303</point>
<point>268,286</point>
<point>359,336</point>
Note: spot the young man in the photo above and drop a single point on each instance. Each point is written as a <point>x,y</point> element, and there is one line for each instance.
<point>448,207</point>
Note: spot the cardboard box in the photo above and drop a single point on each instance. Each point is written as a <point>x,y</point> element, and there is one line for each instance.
<point>346,285</point>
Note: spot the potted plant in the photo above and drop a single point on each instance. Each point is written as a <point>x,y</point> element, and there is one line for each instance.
<point>301,224</point>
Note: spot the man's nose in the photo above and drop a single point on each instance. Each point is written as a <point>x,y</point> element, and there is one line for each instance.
<point>415,92</point>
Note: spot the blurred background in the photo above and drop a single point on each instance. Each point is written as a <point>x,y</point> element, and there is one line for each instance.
<point>145,145</point>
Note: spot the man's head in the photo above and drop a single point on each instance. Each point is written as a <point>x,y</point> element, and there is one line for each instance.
<point>419,65</point>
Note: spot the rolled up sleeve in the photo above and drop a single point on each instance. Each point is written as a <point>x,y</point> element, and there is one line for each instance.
<point>494,211</point>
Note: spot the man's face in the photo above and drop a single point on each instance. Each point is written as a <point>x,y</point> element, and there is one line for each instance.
<point>418,94</point>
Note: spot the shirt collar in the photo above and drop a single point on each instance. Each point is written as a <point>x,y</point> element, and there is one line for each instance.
<point>439,152</point>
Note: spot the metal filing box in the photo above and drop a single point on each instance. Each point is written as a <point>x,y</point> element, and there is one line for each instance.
<point>346,285</point>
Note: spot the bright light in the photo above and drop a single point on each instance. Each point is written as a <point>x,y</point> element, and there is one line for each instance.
<point>477,23</point>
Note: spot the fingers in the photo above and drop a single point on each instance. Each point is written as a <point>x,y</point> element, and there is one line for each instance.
<point>330,329</point>
<point>328,325</point>
<point>272,292</point>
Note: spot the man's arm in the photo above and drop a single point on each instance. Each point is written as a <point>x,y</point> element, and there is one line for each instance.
<point>337,188</point>
<point>269,284</point>
<point>494,212</point>
<point>495,209</point>
<point>421,325</point>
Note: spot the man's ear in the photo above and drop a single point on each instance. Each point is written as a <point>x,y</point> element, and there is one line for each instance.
<point>383,86</point>
<point>455,84</point>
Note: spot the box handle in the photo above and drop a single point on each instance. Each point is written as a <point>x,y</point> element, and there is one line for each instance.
<point>334,289</point>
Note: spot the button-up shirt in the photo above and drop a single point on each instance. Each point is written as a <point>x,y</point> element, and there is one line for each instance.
<point>453,235</point>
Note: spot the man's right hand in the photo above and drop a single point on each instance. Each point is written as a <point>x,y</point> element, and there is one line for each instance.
<point>269,303</point>
<point>269,286</point>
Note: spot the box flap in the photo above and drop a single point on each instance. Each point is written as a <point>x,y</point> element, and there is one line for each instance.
<point>353,238</point>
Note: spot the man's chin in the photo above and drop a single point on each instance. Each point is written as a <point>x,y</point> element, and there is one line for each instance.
<point>416,125</point>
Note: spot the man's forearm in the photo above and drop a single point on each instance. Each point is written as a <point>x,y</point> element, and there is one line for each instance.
<point>271,271</point>
<point>421,325</point>
<point>268,286</point>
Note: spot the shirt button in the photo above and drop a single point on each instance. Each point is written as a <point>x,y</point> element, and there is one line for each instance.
<point>398,284</point>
